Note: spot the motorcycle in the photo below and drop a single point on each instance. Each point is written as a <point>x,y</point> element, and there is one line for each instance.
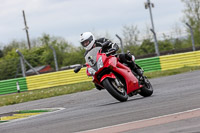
<point>117,78</point>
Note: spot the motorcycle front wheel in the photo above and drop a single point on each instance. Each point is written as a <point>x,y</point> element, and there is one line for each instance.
<point>118,92</point>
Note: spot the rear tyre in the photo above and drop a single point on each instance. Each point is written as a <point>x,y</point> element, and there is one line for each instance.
<point>147,89</point>
<point>118,93</point>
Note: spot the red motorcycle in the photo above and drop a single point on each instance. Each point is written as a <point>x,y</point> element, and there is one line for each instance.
<point>117,78</point>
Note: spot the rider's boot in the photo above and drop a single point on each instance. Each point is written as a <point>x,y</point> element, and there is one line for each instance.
<point>133,66</point>
<point>135,69</point>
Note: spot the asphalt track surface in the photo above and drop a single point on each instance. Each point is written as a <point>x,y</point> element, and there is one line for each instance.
<point>97,109</point>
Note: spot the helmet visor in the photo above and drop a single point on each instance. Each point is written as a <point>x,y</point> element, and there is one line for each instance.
<point>85,43</point>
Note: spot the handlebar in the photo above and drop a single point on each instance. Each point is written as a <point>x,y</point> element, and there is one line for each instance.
<point>77,69</point>
<point>110,52</point>
<point>105,44</point>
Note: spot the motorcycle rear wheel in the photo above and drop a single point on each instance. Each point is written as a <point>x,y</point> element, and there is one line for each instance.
<point>118,93</point>
<point>147,89</point>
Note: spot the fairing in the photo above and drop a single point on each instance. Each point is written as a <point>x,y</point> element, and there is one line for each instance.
<point>112,64</point>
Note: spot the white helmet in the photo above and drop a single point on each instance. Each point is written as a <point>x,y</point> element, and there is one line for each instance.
<point>87,40</point>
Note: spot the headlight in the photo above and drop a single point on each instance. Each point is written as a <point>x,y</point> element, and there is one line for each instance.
<point>91,71</point>
<point>100,63</point>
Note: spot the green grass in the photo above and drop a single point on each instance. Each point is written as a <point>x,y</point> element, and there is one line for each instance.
<point>44,93</point>
<point>68,89</point>
<point>32,111</point>
<point>3,121</point>
<point>171,72</point>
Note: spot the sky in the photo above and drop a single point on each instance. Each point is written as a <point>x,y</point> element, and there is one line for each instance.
<point>69,18</point>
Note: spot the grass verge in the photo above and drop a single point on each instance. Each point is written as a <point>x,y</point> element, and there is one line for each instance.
<point>44,93</point>
<point>171,72</point>
<point>68,89</point>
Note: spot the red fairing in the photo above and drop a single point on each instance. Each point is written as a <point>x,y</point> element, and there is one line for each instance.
<point>125,72</point>
<point>131,80</point>
<point>111,75</point>
<point>112,64</point>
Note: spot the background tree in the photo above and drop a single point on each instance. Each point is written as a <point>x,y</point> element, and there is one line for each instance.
<point>14,45</point>
<point>192,16</point>
<point>177,37</point>
<point>8,65</point>
<point>165,45</point>
<point>1,53</point>
<point>147,47</point>
<point>148,35</point>
<point>130,39</point>
<point>130,34</point>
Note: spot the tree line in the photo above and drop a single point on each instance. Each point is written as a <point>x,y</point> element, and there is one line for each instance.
<point>67,54</point>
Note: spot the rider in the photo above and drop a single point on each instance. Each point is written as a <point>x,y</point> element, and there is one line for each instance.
<point>88,41</point>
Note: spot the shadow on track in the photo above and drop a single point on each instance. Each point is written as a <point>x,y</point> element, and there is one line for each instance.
<point>117,102</point>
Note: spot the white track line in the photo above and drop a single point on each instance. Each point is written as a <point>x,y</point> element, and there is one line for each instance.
<point>147,122</point>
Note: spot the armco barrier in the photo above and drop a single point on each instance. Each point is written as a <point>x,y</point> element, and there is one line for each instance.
<point>180,60</point>
<point>10,86</point>
<point>149,64</point>
<point>69,77</point>
<point>56,79</point>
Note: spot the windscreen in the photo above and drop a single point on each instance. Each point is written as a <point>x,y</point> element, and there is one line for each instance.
<point>91,57</point>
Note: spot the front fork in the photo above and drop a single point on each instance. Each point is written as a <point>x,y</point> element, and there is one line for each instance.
<point>98,83</point>
<point>110,75</point>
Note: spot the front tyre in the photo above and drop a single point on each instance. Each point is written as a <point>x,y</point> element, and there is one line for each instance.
<point>118,92</point>
<point>147,89</point>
